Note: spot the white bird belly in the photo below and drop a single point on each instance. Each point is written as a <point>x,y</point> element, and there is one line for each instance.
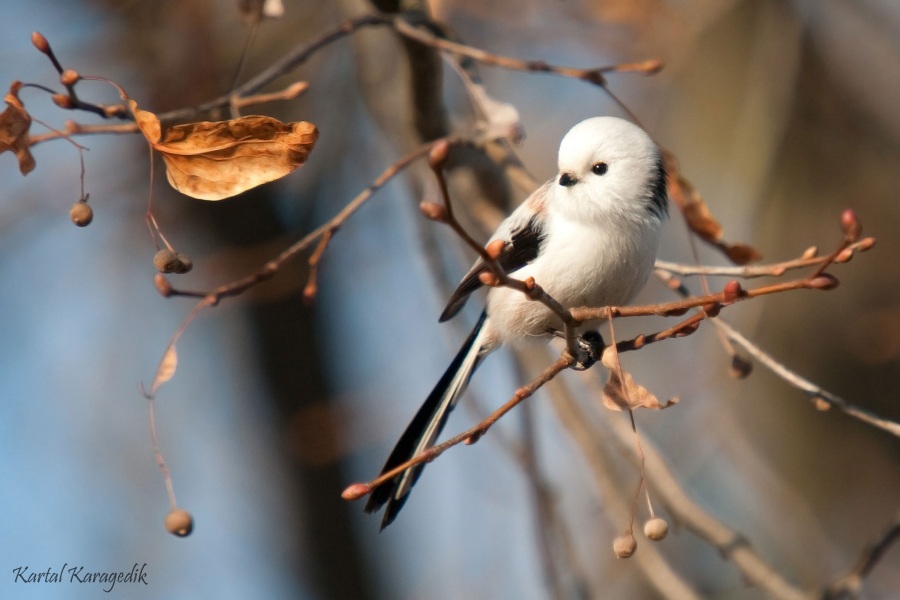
<point>583,269</point>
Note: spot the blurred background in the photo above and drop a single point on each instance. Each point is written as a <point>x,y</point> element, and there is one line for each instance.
<point>782,113</point>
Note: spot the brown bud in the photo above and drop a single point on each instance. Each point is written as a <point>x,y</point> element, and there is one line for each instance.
<point>165,260</point>
<point>850,224</point>
<point>488,279</point>
<point>651,67</point>
<point>712,309</point>
<point>309,293</point>
<point>656,529</point>
<point>844,255</point>
<point>162,285</point>
<point>822,404</point>
<point>810,252</point>
<point>40,42</point>
<point>687,329</point>
<point>674,283</point>
<point>356,491</point>
<point>733,291</point>
<point>81,213</point>
<point>69,77</point>
<point>434,211</point>
<point>740,367</point>
<point>114,110</point>
<point>824,281</point>
<point>437,157</point>
<point>179,522</point>
<point>624,545</point>
<point>63,101</point>
<point>495,249</point>
<point>866,243</point>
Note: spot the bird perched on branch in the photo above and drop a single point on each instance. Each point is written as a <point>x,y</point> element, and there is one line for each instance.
<point>588,237</point>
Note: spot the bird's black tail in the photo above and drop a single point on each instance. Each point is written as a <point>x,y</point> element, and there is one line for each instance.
<point>425,427</point>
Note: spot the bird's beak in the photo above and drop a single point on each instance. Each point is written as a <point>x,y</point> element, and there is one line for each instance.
<point>567,180</point>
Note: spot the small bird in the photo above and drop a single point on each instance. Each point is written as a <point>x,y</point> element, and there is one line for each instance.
<point>588,237</point>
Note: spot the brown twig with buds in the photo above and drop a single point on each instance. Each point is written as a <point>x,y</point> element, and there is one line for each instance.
<point>495,276</point>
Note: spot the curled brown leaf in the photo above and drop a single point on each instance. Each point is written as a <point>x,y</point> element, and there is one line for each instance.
<point>699,218</point>
<point>622,392</point>
<point>14,125</point>
<point>216,160</point>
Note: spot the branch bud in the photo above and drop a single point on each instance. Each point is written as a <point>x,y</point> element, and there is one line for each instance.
<point>825,281</point>
<point>733,291</point>
<point>472,439</point>
<point>866,243</point>
<point>495,248</point>
<point>162,285</point>
<point>650,67</point>
<point>434,211</point>
<point>437,157</point>
<point>850,224</point>
<point>356,491</point>
<point>40,42</point>
<point>69,77</point>
<point>63,101</point>
<point>844,255</point>
<point>712,309</point>
<point>488,279</point>
<point>810,252</point>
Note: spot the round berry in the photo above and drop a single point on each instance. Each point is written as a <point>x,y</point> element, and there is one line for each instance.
<point>179,522</point>
<point>624,545</point>
<point>165,261</point>
<point>656,529</point>
<point>81,214</point>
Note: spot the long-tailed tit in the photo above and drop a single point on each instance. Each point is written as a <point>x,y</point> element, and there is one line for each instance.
<point>589,237</point>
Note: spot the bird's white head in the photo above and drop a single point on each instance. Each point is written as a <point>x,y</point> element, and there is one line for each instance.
<point>609,167</point>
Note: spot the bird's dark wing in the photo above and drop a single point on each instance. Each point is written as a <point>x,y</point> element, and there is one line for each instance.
<point>523,246</point>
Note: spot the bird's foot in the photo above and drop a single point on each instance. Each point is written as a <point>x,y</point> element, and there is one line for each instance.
<point>589,349</point>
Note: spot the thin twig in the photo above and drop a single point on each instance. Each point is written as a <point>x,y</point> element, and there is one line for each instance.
<point>489,254</point>
<point>470,436</point>
<point>848,586</point>
<point>749,272</point>
<point>731,544</point>
<point>594,76</point>
<point>816,392</point>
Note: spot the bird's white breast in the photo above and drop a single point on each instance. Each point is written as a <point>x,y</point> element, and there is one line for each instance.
<point>580,264</point>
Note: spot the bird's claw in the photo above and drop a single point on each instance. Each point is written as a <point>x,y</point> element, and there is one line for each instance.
<point>589,347</point>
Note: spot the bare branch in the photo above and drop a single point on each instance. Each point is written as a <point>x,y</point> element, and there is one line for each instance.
<point>817,393</point>
<point>470,436</point>
<point>848,586</point>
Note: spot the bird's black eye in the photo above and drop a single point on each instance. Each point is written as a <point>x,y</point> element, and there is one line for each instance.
<point>600,168</point>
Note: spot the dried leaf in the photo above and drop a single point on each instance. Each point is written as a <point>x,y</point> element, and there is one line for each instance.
<point>699,218</point>
<point>14,124</point>
<point>166,369</point>
<point>216,160</point>
<point>626,394</point>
